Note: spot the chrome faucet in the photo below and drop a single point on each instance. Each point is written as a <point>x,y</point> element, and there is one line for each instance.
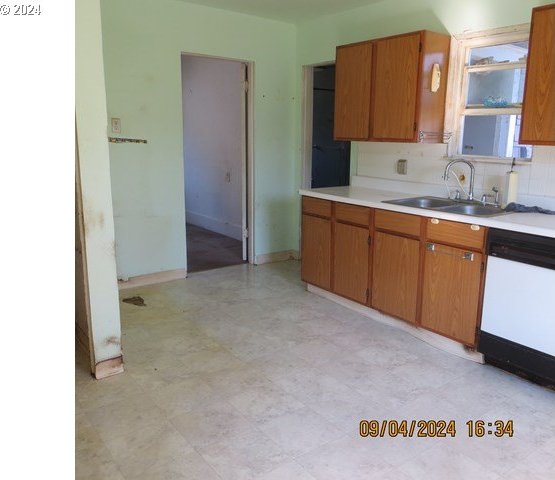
<point>447,172</point>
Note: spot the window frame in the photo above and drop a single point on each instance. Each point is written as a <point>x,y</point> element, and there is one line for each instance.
<point>457,87</point>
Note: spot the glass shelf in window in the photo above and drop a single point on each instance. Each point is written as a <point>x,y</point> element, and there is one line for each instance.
<point>495,54</point>
<point>496,88</point>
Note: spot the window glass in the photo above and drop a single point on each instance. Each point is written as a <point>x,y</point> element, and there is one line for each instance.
<point>509,52</point>
<point>495,88</point>
<point>493,135</point>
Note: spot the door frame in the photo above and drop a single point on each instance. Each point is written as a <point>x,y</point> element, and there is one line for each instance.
<point>84,338</point>
<point>307,103</point>
<point>247,157</point>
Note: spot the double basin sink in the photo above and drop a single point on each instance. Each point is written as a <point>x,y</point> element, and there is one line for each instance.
<point>462,207</point>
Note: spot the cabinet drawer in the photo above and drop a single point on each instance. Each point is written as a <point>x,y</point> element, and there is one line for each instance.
<point>398,222</point>
<point>352,213</point>
<point>455,233</point>
<point>317,206</point>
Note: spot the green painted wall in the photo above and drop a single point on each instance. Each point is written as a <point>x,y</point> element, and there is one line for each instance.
<point>143,41</point>
<point>317,38</point>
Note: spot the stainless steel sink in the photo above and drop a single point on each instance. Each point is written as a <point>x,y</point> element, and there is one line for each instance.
<point>447,205</point>
<point>423,202</point>
<point>474,209</point>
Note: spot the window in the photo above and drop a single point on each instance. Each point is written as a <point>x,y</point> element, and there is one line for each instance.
<point>492,70</point>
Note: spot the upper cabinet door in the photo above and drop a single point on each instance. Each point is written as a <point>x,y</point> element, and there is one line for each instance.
<point>352,91</point>
<point>538,109</point>
<point>396,67</point>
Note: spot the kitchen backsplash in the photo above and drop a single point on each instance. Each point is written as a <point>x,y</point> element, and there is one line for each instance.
<point>426,163</point>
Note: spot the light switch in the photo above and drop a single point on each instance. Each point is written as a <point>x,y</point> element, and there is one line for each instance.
<point>116,125</point>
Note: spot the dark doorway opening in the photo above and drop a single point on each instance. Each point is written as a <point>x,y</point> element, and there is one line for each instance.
<point>330,158</point>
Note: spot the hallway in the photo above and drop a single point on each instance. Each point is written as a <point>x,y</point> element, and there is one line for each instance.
<point>207,250</point>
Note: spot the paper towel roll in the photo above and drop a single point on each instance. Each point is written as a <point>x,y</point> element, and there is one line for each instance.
<point>511,187</point>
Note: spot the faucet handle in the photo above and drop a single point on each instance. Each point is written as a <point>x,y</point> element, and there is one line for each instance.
<point>495,189</point>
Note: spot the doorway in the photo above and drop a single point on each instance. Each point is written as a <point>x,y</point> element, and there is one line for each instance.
<point>216,147</point>
<point>328,162</point>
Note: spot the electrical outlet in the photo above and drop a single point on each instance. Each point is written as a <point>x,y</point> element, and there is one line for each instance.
<point>402,166</point>
<point>116,125</point>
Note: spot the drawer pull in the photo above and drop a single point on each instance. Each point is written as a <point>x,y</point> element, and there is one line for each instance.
<point>476,228</point>
<point>435,221</point>
<point>431,247</point>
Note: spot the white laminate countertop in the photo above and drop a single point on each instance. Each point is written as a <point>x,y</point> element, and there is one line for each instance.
<point>532,223</point>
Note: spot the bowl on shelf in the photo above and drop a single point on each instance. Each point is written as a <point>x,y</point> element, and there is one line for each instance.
<point>495,102</point>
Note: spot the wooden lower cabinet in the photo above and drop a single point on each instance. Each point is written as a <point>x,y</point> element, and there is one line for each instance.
<point>451,292</point>
<point>438,289</point>
<point>395,275</point>
<point>316,251</point>
<point>350,262</point>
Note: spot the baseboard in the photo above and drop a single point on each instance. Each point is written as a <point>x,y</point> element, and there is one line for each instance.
<point>276,257</point>
<point>152,278</point>
<point>432,338</point>
<point>107,368</point>
<point>215,225</point>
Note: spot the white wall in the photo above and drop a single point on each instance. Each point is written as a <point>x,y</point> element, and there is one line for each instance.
<point>213,108</point>
<point>90,113</point>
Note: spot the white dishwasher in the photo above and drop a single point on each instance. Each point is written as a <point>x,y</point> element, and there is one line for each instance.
<point>518,316</point>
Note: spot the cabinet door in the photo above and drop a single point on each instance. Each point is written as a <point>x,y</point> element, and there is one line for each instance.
<point>451,292</point>
<point>538,109</point>
<point>316,251</point>
<point>353,71</point>
<point>395,275</point>
<point>395,88</point>
<point>350,267</point>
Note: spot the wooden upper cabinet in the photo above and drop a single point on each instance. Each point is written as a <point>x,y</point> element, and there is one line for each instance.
<point>353,73</point>
<point>392,100</point>
<point>395,88</point>
<point>538,108</point>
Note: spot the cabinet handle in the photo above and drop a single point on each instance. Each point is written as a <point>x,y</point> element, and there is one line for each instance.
<point>475,227</point>
<point>468,256</point>
<point>435,221</point>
